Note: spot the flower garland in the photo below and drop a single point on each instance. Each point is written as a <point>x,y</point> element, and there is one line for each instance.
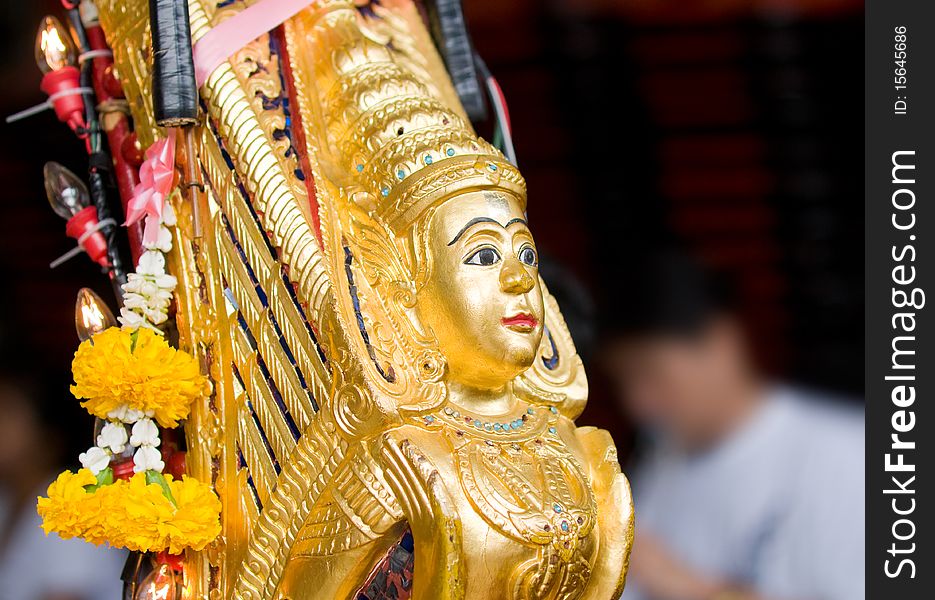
<point>147,513</point>
<point>131,377</point>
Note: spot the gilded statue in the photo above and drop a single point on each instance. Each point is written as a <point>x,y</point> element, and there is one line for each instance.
<point>387,361</point>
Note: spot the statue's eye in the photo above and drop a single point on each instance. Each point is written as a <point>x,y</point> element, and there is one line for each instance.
<point>527,256</point>
<point>484,257</point>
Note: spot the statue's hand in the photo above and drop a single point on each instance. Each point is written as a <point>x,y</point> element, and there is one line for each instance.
<point>432,516</point>
<point>615,514</point>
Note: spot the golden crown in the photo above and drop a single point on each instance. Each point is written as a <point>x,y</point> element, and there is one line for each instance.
<point>407,148</point>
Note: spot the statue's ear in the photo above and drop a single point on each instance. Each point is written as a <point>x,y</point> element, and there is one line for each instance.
<point>375,296</point>
<point>557,376</point>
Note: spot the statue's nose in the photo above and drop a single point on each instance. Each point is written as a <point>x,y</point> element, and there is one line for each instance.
<point>514,279</point>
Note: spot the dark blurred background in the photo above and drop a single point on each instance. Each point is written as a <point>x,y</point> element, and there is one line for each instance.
<point>729,128</point>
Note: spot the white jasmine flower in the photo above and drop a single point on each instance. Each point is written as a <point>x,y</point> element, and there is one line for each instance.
<point>145,433</point>
<point>113,436</point>
<point>132,320</point>
<point>147,458</point>
<point>166,282</point>
<point>163,242</point>
<point>168,214</point>
<point>125,414</point>
<point>152,262</point>
<point>155,316</point>
<point>134,301</point>
<point>96,459</point>
<point>147,293</point>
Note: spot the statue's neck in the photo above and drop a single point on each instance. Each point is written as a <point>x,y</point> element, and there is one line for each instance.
<point>480,401</point>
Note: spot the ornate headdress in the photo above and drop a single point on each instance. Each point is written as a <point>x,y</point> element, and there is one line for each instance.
<point>398,141</point>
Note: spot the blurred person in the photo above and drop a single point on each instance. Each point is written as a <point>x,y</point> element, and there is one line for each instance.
<point>748,489</point>
<point>34,566</point>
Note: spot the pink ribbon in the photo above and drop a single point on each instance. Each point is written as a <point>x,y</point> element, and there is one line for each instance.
<point>149,196</point>
<point>231,35</point>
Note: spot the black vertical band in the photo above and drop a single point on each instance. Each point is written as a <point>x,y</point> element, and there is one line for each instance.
<point>175,96</point>
<point>900,281</point>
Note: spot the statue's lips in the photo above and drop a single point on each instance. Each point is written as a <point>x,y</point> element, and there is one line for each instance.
<point>520,322</point>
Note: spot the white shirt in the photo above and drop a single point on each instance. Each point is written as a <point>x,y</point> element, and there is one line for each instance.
<point>34,566</point>
<point>778,506</point>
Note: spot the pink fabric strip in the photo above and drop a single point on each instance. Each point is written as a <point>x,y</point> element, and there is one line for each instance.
<point>231,35</point>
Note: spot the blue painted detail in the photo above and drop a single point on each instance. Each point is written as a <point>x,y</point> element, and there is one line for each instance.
<point>242,464</point>
<point>269,447</point>
<point>401,174</point>
<point>557,507</point>
<point>552,430</point>
<point>243,326</point>
<point>277,397</point>
<point>492,166</point>
<point>352,290</point>
<point>450,151</point>
<point>360,168</point>
<point>385,191</point>
<point>308,327</point>
<point>551,363</point>
<point>564,525</point>
<point>427,159</point>
<point>407,541</point>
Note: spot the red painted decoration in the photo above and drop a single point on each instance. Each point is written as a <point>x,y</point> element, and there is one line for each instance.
<point>69,107</point>
<point>123,469</point>
<point>94,244</point>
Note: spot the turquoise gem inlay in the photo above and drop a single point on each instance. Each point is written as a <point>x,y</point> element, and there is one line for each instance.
<point>557,507</point>
<point>428,159</point>
<point>489,426</point>
<point>564,525</point>
<point>401,174</point>
<point>492,166</point>
<point>385,191</point>
<point>450,151</point>
<point>360,168</point>
<point>554,410</point>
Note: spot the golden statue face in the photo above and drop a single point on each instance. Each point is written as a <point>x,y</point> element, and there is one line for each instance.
<point>482,298</point>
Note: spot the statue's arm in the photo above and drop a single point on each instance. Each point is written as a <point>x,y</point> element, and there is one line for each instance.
<point>615,515</point>
<point>432,516</point>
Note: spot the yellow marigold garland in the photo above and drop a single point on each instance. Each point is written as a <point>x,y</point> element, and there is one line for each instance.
<point>135,514</point>
<point>69,509</point>
<point>138,369</point>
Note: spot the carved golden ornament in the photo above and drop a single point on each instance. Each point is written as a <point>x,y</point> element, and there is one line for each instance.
<point>343,330</point>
